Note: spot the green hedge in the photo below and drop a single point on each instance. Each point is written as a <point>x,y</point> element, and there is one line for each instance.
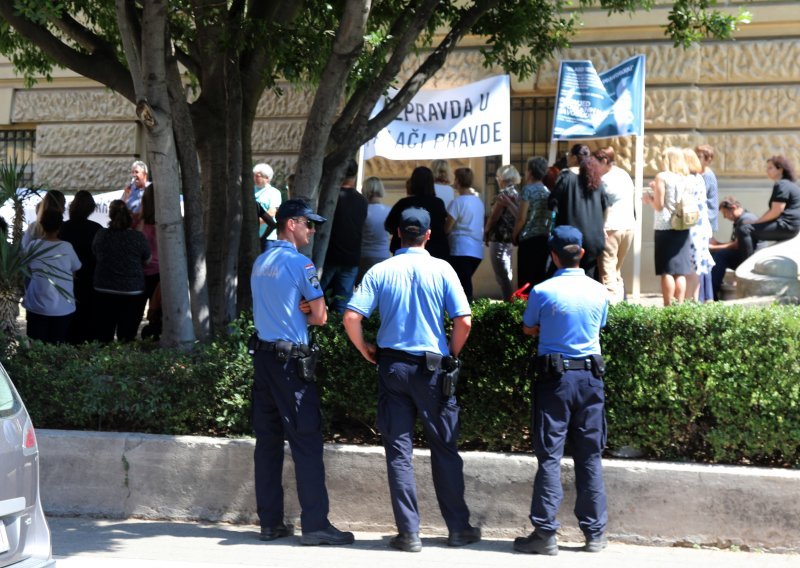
<point>709,383</point>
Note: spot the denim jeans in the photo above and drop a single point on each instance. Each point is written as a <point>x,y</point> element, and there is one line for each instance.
<point>340,279</point>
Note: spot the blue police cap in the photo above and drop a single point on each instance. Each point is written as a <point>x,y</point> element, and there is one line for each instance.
<point>415,221</point>
<point>563,236</point>
<point>297,208</point>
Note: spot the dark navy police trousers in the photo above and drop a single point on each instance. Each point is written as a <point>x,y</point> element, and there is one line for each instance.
<point>285,406</point>
<point>571,408</point>
<point>406,391</point>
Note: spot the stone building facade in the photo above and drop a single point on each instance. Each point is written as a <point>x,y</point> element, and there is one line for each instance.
<point>742,97</point>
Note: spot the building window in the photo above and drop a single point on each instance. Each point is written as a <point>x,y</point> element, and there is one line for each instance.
<point>531,129</point>
<point>17,147</point>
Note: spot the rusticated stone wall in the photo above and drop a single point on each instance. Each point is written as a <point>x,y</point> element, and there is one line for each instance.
<point>741,97</point>
<point>72,105</point>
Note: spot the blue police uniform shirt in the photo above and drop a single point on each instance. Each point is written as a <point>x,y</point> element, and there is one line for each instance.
<point>412,291</point>
<point>282,277</point>
<point>570,308</point>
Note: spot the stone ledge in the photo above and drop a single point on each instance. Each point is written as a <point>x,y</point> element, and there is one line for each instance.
<point>182,477</point>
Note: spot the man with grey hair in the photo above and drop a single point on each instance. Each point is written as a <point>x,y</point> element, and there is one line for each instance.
<point>268,199</point>
<point>133,192</point>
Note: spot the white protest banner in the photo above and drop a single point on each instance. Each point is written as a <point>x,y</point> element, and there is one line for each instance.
<point>592,105</point>
<point>100,215</point>
<point>32,199</point>
<point>465,122</point>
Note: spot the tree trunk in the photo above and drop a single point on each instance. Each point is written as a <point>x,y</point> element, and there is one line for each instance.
<point>153,109</point>
<point>346,47</point>
<point>219,144</point>
<point>192,203</point>
<point>249,247</point>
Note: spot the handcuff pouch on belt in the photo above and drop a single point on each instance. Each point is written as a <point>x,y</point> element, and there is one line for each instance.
<point>449,366</point>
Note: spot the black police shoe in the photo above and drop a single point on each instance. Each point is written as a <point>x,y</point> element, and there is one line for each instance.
<point>537,543</point>
<point>462,538</point>
<point>278,531</point>
<point>595,543</point>
<point>330,535</point>
<point>406,541</point>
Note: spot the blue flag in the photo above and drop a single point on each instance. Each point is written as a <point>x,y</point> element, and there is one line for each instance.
<point>592,105</point>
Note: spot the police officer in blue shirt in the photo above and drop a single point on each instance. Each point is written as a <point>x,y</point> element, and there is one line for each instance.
<point>567,312</point>
<point>287,298</point>
<point>412,291</point>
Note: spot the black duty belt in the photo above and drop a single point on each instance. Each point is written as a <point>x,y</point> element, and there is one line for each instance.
<point>402,355</point>
<point>300,350</point>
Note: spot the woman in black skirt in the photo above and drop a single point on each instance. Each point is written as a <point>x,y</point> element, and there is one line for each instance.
<point>673,249</point>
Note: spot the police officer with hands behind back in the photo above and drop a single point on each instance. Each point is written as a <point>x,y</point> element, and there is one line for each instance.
<point>567,312</point>
<point>417,374</point>
<point>287,298</point>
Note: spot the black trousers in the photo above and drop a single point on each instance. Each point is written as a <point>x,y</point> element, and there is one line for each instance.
<point>50,329</point>
<point>287,407</point>
<point>407,391</point>
<point>465,267</point>
<point>117,314</point>
<point>532,258</point>
<point>750,235</point>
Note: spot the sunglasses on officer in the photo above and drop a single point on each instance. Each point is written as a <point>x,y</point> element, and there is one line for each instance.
<point>308,222</point>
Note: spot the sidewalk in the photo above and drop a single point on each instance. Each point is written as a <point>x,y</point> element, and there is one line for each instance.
<point>95,543</point>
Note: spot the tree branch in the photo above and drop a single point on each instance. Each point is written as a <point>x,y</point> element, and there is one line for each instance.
<point>84,37</point>
<point>425,71</point>
<point>101,66</point>
<point>406,30</point>
<point>128,23</point>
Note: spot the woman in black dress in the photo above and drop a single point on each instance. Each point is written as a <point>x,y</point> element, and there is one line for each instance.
<point>421,194</point>
<point>79,231</point>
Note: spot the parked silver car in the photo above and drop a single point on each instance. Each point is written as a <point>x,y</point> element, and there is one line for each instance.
<point>24,534</point>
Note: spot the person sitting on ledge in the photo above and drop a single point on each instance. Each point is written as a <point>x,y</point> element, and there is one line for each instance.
<point>782,221</point>
<point>730,254</point>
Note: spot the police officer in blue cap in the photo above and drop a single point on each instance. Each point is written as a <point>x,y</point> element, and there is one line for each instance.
<point>567,312</point>
<point>417,370</point>
<point>287,298</point>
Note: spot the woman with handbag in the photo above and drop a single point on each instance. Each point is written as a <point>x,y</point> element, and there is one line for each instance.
<point>673,250</point>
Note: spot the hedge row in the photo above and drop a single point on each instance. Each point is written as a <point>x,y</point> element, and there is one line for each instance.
<point>711,383</point>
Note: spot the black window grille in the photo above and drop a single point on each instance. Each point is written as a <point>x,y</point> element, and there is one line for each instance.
<point>17,147</point>
<point>531,129</point>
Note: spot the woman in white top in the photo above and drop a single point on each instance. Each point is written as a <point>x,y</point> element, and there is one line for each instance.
<point>701,233</point>
<point>374,238</point>
<point>464,226</point>
<point>673,252</point>
<point>441,179</point>
<point>49,296</point>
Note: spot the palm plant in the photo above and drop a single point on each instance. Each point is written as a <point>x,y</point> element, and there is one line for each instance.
<point>14,262</point>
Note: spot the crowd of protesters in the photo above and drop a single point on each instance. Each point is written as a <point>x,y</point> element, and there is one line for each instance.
<point>93,283</point>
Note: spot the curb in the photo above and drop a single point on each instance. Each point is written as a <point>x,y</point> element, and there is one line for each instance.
<point>121,475</point>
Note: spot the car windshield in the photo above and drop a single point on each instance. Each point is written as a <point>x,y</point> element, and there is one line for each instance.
<point>9,404</point>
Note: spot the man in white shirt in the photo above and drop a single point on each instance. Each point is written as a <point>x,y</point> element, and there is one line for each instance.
<point>620,223</point>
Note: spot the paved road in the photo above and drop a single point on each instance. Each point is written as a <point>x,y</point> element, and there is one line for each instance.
<point>96,543</point>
